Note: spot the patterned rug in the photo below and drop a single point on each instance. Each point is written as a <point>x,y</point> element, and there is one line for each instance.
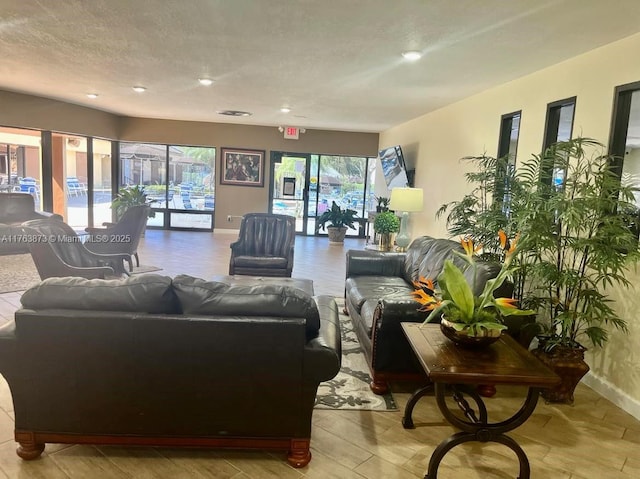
<point>350,388</point>
<point>18,273</point>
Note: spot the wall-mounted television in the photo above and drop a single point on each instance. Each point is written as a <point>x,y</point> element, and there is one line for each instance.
<point>393,167</point>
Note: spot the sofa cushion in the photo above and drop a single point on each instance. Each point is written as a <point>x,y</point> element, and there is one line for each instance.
<point>215,298</point>
<point>145,293</point>
<point>260,262</point>
<point>362,288</point>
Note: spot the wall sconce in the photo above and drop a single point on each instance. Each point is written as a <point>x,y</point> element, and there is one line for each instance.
<point>406,200</point>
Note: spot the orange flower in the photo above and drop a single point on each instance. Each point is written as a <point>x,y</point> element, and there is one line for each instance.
<point>424,284</point>
<point>507,302</point>
<point>469,249</point>
<point>504,241</point>
<point>427,301</point>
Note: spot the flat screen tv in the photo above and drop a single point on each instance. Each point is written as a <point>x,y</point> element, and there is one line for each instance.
<point>393,167</point>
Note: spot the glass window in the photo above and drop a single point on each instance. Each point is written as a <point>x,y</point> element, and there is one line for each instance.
<point>558,127</point>
<point>507,148</point>
<point>76,180</point>
<point>625,136</point>
<point>21,162</point>
<point>101,181</point>
<point>175,178</point>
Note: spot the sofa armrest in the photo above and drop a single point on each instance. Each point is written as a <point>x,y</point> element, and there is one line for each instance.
<point>374,263</point>
<point>323,354</point>
<point>8,347</point>
<point>390,348</point>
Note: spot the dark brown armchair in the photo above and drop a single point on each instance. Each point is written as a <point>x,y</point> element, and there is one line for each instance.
<point>122,237</point>
<point>265,245</point>
<point>57,250</point>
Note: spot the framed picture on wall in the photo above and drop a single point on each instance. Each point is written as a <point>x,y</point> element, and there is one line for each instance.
<point>242,167</point>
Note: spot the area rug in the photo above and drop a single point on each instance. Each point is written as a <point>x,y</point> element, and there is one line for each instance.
<point>350,388</point>
<point>18,273</point>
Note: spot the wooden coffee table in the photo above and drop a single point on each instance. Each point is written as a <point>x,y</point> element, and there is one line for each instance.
<point>452,369</point>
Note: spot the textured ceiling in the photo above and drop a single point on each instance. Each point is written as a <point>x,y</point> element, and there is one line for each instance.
<point>335,63</point>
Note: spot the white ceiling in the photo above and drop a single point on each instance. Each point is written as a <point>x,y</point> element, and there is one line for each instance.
<point>335,63</point>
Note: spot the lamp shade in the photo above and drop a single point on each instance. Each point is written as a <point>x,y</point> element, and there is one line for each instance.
<point>406,199</point>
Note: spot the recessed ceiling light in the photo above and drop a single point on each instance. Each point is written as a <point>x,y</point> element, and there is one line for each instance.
<point>205,81</point>
<point>285,109</point>
<point>412,55</point>
<point>233,113</point>
<point>139,89</point>
<point>93,96</point>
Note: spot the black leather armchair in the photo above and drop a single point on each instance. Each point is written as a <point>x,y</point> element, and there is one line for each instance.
<point>265,245</point>
<point>57,250</point>
<point>122,237</point>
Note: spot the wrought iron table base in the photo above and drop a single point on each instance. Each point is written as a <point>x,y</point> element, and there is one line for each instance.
<point>474,428</point>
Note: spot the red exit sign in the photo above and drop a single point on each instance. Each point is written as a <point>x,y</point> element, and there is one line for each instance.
<point>291,132</point>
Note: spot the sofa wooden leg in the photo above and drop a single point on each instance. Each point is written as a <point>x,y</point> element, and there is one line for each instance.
<point>379,386</point>
<point>299,453</point>
<point>29,451</point>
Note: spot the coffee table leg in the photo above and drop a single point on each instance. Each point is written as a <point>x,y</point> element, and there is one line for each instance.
<point>480,430</point>
<point>407,421</point>
<point>461,437</point>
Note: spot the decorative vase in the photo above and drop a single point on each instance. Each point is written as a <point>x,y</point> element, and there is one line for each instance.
<point>385,241</point>
<point>461,338</point>
<point>566,362</point>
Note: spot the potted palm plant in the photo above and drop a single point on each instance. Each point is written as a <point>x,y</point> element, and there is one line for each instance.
<point>127,197</point>
<point>385,224</point>
<point>578,241</point>
<point>487,207</point>
<point>336,221</point>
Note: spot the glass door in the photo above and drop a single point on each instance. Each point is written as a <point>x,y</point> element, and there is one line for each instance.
<point>289,188</point>
<point>305,186</point>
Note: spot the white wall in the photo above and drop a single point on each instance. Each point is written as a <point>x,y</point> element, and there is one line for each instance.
<point>471,127</point>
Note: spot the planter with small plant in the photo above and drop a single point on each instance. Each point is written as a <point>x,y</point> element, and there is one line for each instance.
<point>385,224</point>
<point>127,197</point>
<point>336,221</point>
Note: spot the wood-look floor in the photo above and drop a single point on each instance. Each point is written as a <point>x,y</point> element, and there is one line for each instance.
<point>591,439</point>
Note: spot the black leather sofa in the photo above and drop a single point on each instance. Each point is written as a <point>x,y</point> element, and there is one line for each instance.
<point>15,209</point>
<point>153,361</point>
<point>378,298</point>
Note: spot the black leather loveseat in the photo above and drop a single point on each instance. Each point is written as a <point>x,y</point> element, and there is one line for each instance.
<point>153,361</point>
<point>15,209</point>
<point>378,298</point>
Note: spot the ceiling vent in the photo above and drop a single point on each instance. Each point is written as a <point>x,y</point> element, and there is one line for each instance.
<point>233,113</point>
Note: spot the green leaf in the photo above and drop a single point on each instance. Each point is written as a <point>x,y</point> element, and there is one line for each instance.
<point>458,290</point>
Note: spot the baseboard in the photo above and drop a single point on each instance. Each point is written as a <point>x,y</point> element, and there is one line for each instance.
<point>613,394</point>
<point>226,231</point>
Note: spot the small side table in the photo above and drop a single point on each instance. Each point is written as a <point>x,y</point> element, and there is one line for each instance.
<point>452,369</point>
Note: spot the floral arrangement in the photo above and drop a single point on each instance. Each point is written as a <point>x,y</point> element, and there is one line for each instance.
<point>454,298</point>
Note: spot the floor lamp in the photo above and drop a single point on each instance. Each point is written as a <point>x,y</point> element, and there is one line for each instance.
<point>405,200</point>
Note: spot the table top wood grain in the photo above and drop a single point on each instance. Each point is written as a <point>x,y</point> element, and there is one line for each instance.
<point>503,362</point>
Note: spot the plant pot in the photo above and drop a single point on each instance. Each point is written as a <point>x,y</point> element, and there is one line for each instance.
<point>566,362</point>
<point>385,242</point>
<point>336,235</point>
<point>461,338</point>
